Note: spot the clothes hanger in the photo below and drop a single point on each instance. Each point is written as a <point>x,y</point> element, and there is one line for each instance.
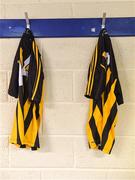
<point>27,22</point>
<point>103,20</point>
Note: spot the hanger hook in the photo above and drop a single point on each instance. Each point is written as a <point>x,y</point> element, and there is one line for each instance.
<point>103,20</point>
<point>27,20</point>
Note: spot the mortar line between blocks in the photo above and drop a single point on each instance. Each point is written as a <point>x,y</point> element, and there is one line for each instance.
<point>73,87</point>
<point>9,154</point>
<point>74,165</point>
<point>67,169</point>
<point>40,174</point>
<point>72,10</point>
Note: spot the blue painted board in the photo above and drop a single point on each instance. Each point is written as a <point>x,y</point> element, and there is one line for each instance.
<point>73,27</point>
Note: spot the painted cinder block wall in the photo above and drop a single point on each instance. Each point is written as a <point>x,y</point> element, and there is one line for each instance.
<point>64,153</point>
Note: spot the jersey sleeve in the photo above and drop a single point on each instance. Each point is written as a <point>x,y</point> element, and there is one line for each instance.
<point>13,85</point>
<point>96,75</point>
<point>118,93</point>
<point>118,89</point>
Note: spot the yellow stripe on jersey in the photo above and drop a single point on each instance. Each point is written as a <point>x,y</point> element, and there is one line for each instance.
<point>37,82</point>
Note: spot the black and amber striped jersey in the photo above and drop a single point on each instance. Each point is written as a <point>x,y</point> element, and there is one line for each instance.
<point>26,84</point>
<point>104,91</point>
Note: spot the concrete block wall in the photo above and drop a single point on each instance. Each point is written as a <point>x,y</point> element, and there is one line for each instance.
<point>64,153</point>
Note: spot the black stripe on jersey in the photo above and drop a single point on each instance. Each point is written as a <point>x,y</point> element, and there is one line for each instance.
<point>94,130</point>
<point>21,92</point>
<point>108,125</point>
<point>99,104</point>
<point>18,135</point>
<point>108,88</point>
<point>28,118</point>
<point>23,146</point>
<point>25,93</point>
<point>112,146</point>
<point>37,142</point>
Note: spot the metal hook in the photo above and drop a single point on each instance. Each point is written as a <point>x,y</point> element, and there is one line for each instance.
<point>103,20</point>
<point>27,20</point>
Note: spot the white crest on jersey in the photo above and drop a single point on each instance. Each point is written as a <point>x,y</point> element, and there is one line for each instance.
<point>108,58</point>
<point>23,71</point>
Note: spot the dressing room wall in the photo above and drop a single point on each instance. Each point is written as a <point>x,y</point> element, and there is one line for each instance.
<point>64,153</point>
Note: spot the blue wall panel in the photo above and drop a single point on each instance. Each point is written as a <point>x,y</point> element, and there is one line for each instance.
<point>73,27</point>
